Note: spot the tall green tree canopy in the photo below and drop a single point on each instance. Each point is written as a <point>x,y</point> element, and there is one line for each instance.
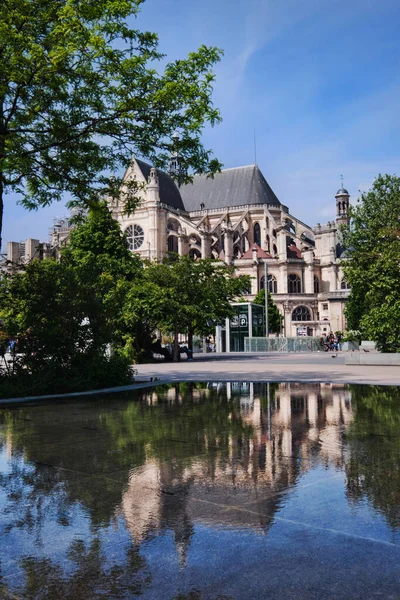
<point>80,93</point>
<point>372,243</point>
<point>181,295</point>
<point>65,313</point>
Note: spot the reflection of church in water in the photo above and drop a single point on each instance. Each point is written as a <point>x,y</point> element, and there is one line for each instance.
<point>288,429</point>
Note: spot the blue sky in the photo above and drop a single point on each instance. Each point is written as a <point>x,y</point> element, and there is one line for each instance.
<point>318,80</point>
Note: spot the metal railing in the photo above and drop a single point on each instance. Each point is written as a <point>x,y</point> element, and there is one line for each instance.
<point>281,344</point>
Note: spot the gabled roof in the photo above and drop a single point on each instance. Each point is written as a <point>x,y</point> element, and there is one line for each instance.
<point>260,252</point>
<point>169,193</point>
<point>231,187</point>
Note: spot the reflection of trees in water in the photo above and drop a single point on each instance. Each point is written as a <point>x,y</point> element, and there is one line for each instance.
<point>92,575</point>
<point>154,459</point>
<point>373,468</point>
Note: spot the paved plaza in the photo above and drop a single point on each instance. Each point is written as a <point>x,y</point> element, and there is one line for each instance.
<point>322,367</point>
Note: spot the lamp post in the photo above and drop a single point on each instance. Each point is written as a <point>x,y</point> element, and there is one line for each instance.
<point>266,296</point>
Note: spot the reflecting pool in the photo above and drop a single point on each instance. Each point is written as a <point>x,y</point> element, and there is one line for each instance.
<point>203,491</point>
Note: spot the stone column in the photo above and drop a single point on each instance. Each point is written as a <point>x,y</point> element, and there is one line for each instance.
<point>228,243</point>
<point>281,239</point>
<point>183,243</point>
<point>288,308</point>
<point>254,280</point>
<point>152,205</point>
<point>205,244</point>
<point>308,257</point>
<point>283,275</point>
<point>331,272</point>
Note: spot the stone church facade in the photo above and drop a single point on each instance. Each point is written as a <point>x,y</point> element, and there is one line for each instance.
<point>235,217</point>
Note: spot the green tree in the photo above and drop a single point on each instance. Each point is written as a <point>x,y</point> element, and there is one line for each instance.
<point>79,94</point>
<point>98,253</point>
<point>184,296</point>
<point>66,313</point>
<point>372,243</point>
<point>42,306</point>
<point>274,316</point>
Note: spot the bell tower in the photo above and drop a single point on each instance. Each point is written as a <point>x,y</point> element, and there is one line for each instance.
<point>342,205</point>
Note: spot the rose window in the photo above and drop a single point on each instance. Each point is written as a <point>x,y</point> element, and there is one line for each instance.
<point>135,236</point>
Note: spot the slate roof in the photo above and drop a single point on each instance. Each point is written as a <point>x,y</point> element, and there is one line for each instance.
<point>231,187</point>
<point>260,252</point>
<point>169,192</point>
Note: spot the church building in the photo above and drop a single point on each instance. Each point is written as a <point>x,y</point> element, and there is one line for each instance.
<point>236,217</point>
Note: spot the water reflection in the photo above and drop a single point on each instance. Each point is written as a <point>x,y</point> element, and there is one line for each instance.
<point>120,497</point>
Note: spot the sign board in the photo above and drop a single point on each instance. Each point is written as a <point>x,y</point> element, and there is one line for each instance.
<point>243,320</point>
<point>235,321</point>
<point>301,331</point>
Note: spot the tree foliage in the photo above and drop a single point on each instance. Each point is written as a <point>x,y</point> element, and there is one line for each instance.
<point>184,296</point>
<point>80,93</point>
<point>65,314</point>
<point>372,243</point>
<point>274,316</point>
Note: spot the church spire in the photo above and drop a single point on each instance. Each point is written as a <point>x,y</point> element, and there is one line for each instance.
<point>176,166</point>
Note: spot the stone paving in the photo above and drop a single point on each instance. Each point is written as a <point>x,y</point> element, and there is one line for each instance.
<point>323,367</point>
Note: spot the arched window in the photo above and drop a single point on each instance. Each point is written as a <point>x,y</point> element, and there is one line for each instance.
<point>301,313</point>
<point>294,284</point>
<point>135,236</point>
<point>344,285</point>
<point>316,285</point>
<point>172,242</point>
<point>272,284</point>
<point>257,234</point>
<point>268,244</point>
<point>275,250</point>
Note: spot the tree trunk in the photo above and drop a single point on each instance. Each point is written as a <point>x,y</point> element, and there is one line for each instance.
<point>190,342</point>
<point>175,352</point>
